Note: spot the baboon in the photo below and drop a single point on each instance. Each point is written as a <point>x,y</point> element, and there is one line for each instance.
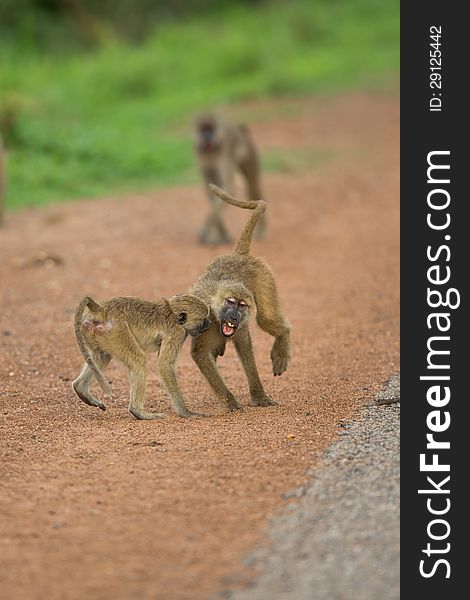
<point>2,182</point>
<point>235,286</point>
<point>128,328</point>
<point>222,149</point>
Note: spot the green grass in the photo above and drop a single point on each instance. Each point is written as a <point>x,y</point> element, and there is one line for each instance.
<point>119,118</point>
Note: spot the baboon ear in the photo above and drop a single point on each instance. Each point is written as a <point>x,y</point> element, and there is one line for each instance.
<point>182,318</point>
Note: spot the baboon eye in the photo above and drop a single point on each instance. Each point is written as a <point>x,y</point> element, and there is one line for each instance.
<point>182,318</point>
<point>230,301</point>
<point>243,305</point>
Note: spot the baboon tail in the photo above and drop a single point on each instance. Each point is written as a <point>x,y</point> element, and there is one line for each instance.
<point>95,308</point>
<point>257,206</point>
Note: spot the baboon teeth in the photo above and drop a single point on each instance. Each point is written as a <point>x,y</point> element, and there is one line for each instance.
<point>228,328</point>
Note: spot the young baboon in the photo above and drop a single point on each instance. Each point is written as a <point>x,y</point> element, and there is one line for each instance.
<point>222,149</point>
<point>234,286</point>
<point>128,328</point>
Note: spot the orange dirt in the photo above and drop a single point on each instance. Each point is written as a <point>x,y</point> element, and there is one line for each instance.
<point>99,505</point>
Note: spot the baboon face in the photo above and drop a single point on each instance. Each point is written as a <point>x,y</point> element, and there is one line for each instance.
<point>191,313</point>
<point>232,314</point>
<point>234,309</point>
<point>207,134</point>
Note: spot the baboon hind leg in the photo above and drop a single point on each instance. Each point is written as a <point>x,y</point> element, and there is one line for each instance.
<point>245,352</point>
<point>81,385</point>
<point>280,351</point>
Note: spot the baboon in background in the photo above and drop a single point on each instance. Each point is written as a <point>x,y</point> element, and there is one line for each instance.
<point>222,149</point>
<point>127,328</point>
<point>235,286</point>
<point>2,182</point>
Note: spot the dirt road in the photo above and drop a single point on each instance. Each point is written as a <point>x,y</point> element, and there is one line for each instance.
<point>99,505</point>
<point>340,539</point>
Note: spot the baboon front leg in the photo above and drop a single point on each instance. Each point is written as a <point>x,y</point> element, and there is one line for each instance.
<point>169,351</point>
<point>205,360</point>
<point>81,385</point>
<point>132,355</point>
<point>280,352</point>
<point>271,320</point>
<point>244,349</point>
<point>137,376</point>
<point>216,232</point>
<point>251,172</point>
<point>261,228</point>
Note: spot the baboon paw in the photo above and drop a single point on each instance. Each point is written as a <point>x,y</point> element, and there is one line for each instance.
<point>142,416</point>
<point>192,415</point>
<point>233,406</point>
<point>88,399</point>
<point>95,403</point>
<point>277,371</point>
<point>263,401</point>
<point>279,364</point>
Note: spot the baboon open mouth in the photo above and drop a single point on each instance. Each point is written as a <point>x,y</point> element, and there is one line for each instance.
<point>228,328</point>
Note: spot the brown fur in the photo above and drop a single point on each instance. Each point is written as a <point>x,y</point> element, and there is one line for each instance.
<point>248,279</point>
<point>226,151</point>
<point>128,328</point>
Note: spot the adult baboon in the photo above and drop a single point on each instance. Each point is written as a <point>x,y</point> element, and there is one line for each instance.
<point>222,149</point>
<point>127,328</point>
<point>235,286</point>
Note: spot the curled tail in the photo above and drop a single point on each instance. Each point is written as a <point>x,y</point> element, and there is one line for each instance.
<point>96,310</point>
<point>257,206</point>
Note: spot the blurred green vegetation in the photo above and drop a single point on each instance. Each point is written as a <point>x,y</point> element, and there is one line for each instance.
<point>99,107</point>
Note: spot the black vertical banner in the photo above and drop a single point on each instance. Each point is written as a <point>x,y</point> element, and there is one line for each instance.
<point>435,267</point>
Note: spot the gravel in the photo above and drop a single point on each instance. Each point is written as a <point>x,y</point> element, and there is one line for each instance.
<point>340,540</point>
